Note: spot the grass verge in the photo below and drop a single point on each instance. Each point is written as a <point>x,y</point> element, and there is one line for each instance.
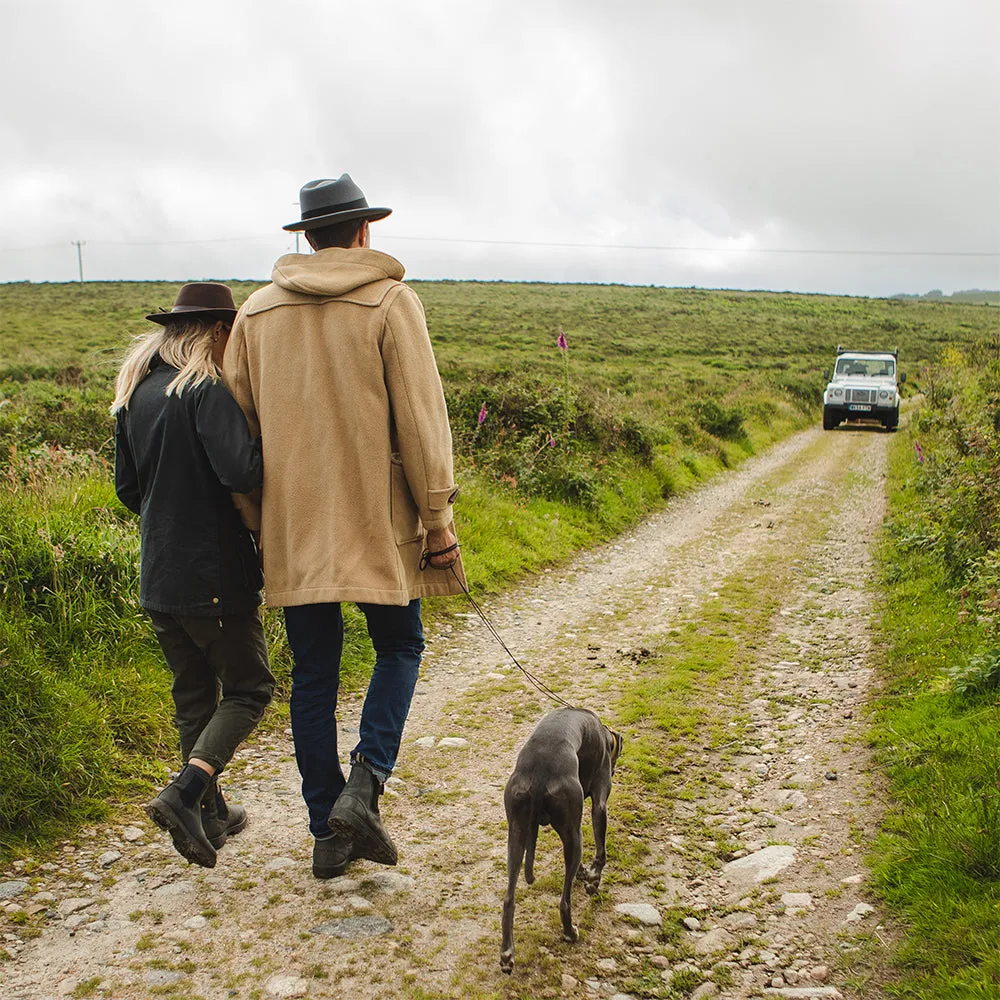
<point>937,863</point>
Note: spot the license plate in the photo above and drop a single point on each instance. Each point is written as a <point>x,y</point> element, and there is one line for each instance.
<point>860,406</point>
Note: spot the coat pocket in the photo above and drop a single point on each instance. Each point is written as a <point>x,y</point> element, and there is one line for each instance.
<point>403,512</point>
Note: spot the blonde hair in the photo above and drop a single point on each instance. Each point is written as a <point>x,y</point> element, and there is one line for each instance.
<point>185,344</point>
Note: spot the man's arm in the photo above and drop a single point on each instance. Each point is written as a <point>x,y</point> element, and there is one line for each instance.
<point>421,418</point>
<point>236,375</point>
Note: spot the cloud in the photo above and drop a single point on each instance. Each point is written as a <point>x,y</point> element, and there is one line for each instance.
<point>731,128</point>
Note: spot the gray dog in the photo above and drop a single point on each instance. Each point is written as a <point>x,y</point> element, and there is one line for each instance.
<point>569,757</point>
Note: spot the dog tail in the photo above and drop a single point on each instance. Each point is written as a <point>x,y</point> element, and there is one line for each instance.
<point>522,809</point>
<point>520,826</point>
<point>529,861</point>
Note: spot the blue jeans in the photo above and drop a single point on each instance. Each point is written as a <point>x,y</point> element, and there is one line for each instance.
<point>316,637</point>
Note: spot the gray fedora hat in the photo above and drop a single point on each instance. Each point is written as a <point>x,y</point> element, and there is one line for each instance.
<point>199,300</point>
<point>326,201</point>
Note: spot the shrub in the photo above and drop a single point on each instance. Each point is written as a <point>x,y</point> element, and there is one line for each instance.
<point>959,481</point>
<point>977,675</point>
<point>720,422</point>
<point>562,479</point>
<point>39,414</point>
<point>518,406</point>
<point>542,436</point>
<point>804,391</point>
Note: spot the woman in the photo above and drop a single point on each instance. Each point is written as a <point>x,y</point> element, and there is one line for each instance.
<point>182,447</point>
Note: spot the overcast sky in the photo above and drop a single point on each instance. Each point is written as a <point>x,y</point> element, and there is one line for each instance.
<point>679,142</point>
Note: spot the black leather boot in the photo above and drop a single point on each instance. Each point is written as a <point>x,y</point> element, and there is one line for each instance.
<point>331,856</point>
<point>355,818</point>
<point>219,819</point>
<point>177,809</point>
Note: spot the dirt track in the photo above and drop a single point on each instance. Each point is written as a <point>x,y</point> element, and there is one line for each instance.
<point>792,780</point>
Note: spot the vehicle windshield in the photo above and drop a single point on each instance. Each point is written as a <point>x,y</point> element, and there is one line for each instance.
<point>868,367</point>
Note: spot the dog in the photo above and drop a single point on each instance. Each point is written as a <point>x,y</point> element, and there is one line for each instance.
<point>569,757</point>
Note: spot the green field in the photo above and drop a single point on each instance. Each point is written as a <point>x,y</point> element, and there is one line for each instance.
<point>658,390</point>
<point>670,374</point>
<point>485,325</point>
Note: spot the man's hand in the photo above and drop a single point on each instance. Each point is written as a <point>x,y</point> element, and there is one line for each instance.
<point>438,539</point>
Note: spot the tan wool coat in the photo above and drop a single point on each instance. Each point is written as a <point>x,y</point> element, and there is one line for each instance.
<point>333,364</point>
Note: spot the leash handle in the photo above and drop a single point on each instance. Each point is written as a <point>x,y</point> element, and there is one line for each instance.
<point>425,558</point>
<point>544,688</point>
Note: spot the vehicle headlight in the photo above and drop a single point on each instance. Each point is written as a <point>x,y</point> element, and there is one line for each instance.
<point>837,393</point>
<point>883,394</point>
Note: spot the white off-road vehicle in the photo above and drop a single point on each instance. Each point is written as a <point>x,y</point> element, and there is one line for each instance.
<point>864,386</point>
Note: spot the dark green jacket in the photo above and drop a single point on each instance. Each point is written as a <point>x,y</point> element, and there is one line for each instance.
<point>177,460</point>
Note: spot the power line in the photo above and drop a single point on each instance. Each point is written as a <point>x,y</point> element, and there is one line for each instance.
<point>173,243</point>
<point>654,246</point>
<point>148,243</point>
<point>38,246</point>
<point>661,247</point>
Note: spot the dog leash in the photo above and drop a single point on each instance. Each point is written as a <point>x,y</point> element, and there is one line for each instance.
<point>540,685</point>
<point>544,688</point>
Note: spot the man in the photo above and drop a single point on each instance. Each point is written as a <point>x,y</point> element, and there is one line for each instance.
<point>333,363</point>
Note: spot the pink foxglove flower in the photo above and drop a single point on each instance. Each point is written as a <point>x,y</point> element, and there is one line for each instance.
<point>482,415</point>
<point>919,451</point>
<point>561,341</point>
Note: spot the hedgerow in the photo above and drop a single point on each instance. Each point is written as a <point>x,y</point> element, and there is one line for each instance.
<point>937,729</point>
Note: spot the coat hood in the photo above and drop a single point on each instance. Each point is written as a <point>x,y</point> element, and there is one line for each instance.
<point>335,271</point>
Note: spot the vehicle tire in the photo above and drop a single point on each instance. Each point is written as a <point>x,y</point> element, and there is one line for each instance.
<point>892,421</point>
<point>829,419</point>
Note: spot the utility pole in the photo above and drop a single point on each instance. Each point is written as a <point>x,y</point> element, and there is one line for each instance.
<point>79,244</point>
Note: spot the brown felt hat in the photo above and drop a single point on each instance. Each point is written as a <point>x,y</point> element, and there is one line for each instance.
<point>325,202</point>
<point>199,300</point>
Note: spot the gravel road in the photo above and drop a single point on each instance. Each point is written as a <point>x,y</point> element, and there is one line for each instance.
<point>750,883</point>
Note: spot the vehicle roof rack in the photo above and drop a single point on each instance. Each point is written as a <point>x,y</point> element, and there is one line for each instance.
<point>843,350</point>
